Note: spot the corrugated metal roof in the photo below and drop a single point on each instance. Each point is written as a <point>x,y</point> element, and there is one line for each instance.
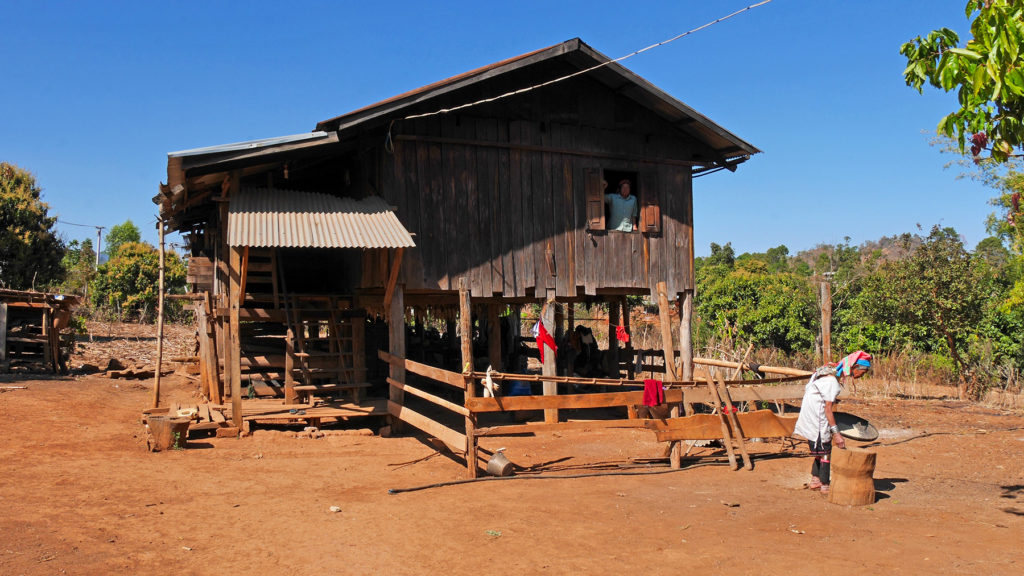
<point>264,217</point>
<point>249,144</point>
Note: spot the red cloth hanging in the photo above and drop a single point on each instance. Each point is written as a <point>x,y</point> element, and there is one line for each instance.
<point>621,335</point>
<point>654,392</point>
<point>544,338</point>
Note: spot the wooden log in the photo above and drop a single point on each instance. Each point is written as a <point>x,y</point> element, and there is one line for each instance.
<point>737,430</point>
<point>726,437</point>
<point>466,330</point>
<point>202,337</point>
<point>430,397</point>
<point>767,369</point>
<point>826,320</point>
<point>456,441</point>
<point>167,433</point>
<point>853,482</point>
<point>549,369</point>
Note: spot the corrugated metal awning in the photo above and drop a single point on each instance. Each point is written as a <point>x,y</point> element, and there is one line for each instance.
<point>289,219</point>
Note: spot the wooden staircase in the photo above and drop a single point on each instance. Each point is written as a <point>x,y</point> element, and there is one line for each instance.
<point>326,348</point>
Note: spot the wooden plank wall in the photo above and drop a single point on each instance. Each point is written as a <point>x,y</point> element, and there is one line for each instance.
<point>513,220</point>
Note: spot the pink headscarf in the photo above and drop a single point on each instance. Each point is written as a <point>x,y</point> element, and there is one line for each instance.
<point>847,364</point>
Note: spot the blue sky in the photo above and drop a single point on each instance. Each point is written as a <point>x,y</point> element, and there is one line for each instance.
<point>96,93</point>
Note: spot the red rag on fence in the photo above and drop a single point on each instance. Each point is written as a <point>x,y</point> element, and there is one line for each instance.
<point>621,335</point>
<point>543,337</point>
<point>654,392</point>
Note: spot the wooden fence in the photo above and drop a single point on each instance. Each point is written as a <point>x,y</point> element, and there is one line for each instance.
<point>672,429</point>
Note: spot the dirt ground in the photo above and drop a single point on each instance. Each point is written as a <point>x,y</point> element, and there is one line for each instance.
<point>79,494</point>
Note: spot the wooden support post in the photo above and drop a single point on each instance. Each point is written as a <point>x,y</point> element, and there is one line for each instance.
<point>234,352</point>
<point>48,344</point>
<point>466,332</point>
<point>686,340</point>
<point>494,336</point>
<point>628,346</point>
<point>613,343</point>
<point>291,396</point>
<point>212,360</point>
<point>3,332</point>
<point>396,266</point>
<point>559,331</point>
<point>726,436</point>
<point>396,346</point>
<point>159,317</point>
<point>204,366</point>
<point>358,348</point>
<point>550,388</point>
<point>665,321</point>
<point>571,319</point>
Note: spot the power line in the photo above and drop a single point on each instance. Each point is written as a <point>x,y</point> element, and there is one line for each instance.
<point>82,225</point>
<point>586,70</point>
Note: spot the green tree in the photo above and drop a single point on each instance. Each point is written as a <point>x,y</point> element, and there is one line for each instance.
<point>128,282</point>
<point>30,251</point>
<point>79,266</point>
<point>987,73</point>
<point>122,234</point>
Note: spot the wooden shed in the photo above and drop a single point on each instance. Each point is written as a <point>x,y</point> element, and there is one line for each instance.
<point>477,192</point>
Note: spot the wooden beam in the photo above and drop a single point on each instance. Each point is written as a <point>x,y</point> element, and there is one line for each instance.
<point>548,149</point>
<point>454,440</point>
<point>665,320</point>
<point>430,397</point>
<point>767,369</point>
<point>396,266</point>
<point>212,361</point>
<point>439,374</point>
<point>291,396</point>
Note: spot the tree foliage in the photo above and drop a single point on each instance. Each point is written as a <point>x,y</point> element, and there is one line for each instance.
<point>986,72</point>
<point>30,251</point>
<point>121,234</point>
<point>128,282</point>
<point>79,266</point>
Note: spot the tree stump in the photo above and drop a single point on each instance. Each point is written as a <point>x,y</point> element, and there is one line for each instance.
<point>853,482</point>
<point>167,433</point>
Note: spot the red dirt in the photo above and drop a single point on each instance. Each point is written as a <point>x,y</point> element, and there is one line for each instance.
<point>80,495</point>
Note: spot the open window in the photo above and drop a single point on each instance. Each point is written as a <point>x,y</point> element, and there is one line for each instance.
<point>643,187</point>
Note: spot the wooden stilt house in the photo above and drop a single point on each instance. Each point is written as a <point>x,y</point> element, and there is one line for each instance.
<point>484,190</point>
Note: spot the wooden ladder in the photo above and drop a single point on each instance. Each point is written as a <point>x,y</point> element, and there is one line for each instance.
<point>326,348</point>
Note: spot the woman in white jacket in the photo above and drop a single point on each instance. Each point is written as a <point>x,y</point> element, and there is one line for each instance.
<point>817,423</point>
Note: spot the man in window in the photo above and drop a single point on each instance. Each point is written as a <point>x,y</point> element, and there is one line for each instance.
<point>623,209</point>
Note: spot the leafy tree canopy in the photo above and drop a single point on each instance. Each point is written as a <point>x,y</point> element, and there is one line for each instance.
<point>128,282</point>
<point>120,235</point>
<point>30,251</point>
<point>986,72</point>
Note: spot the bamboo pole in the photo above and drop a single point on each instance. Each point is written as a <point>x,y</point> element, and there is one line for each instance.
<point>769,369</point>
<point>159,318</point>
<point>686,339</point>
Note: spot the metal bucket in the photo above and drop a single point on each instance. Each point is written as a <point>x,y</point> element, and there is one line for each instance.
<point>498,465</point>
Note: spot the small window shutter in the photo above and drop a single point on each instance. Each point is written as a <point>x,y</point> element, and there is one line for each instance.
<point>595,199</point>
<point>650,211</point>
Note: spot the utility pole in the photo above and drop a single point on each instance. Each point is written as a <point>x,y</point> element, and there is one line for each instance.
<point>99,241</point>
<point>826,316</point>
